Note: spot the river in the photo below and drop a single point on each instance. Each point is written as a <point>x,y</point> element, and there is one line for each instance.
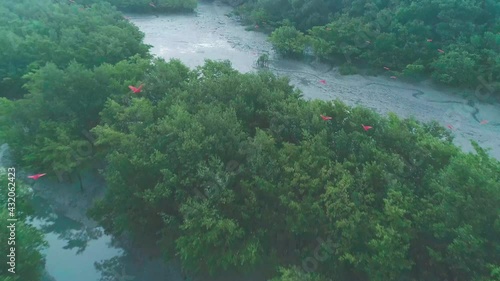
<point>76,243</point>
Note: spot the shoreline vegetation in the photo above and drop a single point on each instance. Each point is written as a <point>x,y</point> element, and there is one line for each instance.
<point>233,171</point>
<point>455,43</point>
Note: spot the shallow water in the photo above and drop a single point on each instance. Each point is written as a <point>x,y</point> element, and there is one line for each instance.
<point>63,263</point>
<point>76,244</point>
<point>211,34</point>
<point>207,33</point>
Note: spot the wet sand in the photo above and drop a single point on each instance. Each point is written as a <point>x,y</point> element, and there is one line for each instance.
<point>210,34</point>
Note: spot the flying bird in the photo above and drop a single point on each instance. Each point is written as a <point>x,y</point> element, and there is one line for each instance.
<point>328,28</point>
<point>152,5</point>
<point>37,176</point>
<point>135,90</point>
<point>429,40</point>
<point>441,51</point>
<point>386,68</point>
<point>366,128</point>
<point>368,42</point>
<point>326,118</point>
<point>483,122</point>
<point>393,77</point>
<point>322,82</point>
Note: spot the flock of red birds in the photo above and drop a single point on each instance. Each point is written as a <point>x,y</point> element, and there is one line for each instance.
<point>150,4</point>
<point>137,90</point>
<point>392,77</point>
<point>366,128</point>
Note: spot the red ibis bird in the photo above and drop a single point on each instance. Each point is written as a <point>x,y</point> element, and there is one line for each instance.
<point>37,176</point>
<point>326,118</point>
<point>449,127</point>
<point>135,90</point>
<point>483,122</point>
<point>322,82</point>
<point>366,128</point>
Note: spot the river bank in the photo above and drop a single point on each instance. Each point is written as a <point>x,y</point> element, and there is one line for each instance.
<point>212,33</point>
<point>79,250</point>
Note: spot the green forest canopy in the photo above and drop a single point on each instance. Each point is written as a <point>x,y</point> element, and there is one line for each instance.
<point>239,166</point>
<point>399,202</point>
<point>390,33</point>
<point>38,32</point>
<point>148,6</point>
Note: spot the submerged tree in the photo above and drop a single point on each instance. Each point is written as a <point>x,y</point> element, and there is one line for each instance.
<point>263,61</point>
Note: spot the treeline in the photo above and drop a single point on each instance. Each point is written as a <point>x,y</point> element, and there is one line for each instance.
<point>37,32</point>
<point>147,6</point>
<point>452,41</point>
<point>234,171</point>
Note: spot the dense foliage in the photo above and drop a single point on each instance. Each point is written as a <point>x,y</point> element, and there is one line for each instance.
<point>47,128</point>
<point>149,5</point>
<point>289,41</point>
<point>236,170</point>
<point>59,63</point>
<point>232,171</point>
<point>37,32</point>
<point>394,34</point>
<point>29,262</point>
